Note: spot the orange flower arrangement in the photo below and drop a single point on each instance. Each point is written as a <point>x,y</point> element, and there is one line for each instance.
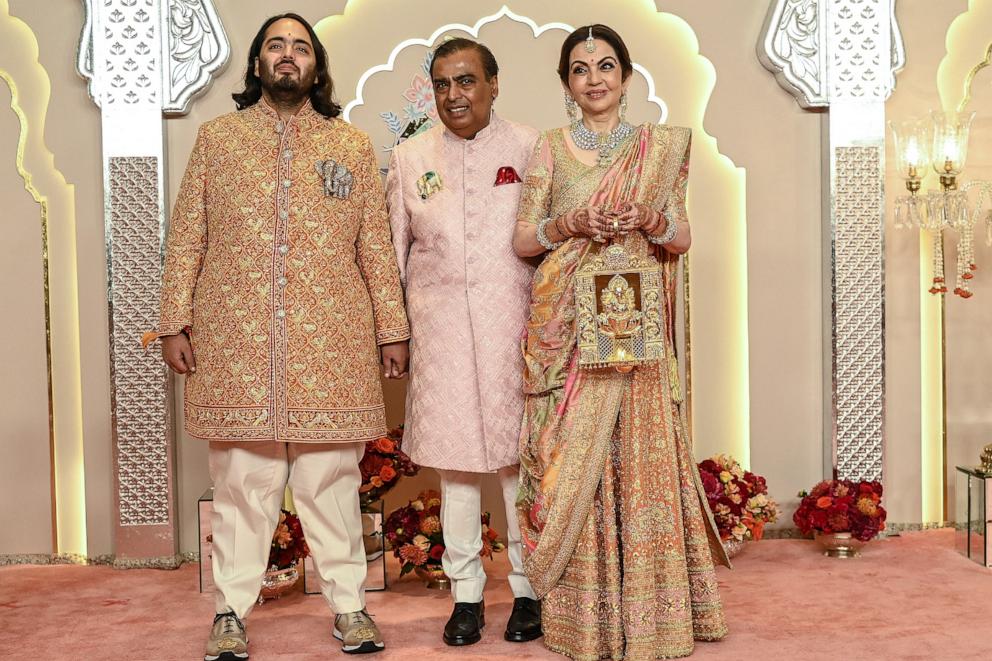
<point>383,463</point>
<point>414,533</point>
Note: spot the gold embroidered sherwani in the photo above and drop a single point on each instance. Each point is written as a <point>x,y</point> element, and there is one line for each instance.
<point>288,289</point>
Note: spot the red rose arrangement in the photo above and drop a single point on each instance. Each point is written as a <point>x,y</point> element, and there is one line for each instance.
<point>738,499</point>
<point>382,465</point>
<point>288,544</point>
<point>414,533</point>
<point>842,506</point>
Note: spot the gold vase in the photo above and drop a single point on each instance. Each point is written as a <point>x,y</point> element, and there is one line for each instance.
<point>278,582</point>
<point>987,459</point>
<point>434,577</point>
<point>839,544</point>
<point>733,546</point>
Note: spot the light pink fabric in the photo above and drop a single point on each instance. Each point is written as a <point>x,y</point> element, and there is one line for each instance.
<point>467,294</point>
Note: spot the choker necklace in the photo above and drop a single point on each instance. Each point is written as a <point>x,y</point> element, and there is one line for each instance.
<point>588,140</point>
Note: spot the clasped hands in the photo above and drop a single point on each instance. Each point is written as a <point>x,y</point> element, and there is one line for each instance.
<point>601,224</point>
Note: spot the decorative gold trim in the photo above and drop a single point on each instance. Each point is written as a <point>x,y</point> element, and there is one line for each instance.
<point>618,310</point>
<point>42,201</point>
<point>687,335</point>
<point>970,78</point>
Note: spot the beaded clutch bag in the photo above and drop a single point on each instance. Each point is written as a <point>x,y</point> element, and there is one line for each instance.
<point>618,310</point>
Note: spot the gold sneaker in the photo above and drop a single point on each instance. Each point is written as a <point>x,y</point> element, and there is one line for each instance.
<point>228,639</point>
<point>358,633</point>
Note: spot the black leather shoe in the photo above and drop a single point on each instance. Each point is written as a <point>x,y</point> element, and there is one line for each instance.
<point>525,621</point>
<point>465,625</point>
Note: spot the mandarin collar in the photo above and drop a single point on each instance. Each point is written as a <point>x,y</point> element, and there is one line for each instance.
<point>482,136</point>
<point>306,110</point>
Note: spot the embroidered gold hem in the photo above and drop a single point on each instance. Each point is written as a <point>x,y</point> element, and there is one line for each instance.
<point>303,425</point>
<point>392,335</point>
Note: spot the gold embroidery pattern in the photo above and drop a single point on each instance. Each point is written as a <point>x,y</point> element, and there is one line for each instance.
<point>618,539</point>
<point>288,291</point>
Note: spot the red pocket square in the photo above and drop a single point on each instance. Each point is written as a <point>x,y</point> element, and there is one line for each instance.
<point>507,175</point>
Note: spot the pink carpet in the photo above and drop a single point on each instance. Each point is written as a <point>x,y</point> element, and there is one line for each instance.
<point>910,597</point>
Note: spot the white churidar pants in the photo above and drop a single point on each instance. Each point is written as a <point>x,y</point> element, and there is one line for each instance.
<point>461,521</point>
<point>250,479</point>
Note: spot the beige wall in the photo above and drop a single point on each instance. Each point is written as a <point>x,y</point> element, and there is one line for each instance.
<point>755,124</point>
<point>969,362</point>
<point>24,387</point>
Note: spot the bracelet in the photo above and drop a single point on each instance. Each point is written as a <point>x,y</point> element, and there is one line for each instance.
<point>667,236</point>
<point>542,235</point>
<point>655,225</point>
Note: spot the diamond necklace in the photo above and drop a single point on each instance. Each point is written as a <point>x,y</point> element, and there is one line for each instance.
<point>588,140</point>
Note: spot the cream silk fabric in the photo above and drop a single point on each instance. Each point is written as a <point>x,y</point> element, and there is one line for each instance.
<point>461,520</point>
<point>466,294</point>
<point>249,484</point>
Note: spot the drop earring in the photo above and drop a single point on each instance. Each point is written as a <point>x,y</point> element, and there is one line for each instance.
<point>571,108</point>
<point>623,107</point>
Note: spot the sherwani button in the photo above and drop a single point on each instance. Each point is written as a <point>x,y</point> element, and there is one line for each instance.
<point>279,127</point>
<point>282,281</point>
<point>283,214</point>
<point>283,249</point>
<point>286,183</point>
<point>280,313</point>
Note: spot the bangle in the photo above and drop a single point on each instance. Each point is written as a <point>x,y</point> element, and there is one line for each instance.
<point>655,225</point>
<point>671,229</point>
<point>542,235</point>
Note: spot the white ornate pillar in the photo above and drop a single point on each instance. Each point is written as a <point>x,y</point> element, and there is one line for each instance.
<point>843,55</point>
<point>142,58</point>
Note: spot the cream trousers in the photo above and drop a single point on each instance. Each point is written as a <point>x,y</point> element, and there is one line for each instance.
<point>250,479</point>
<point>461,521</point>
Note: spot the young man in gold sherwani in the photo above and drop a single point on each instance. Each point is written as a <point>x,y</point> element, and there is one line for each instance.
<point>280,297</point>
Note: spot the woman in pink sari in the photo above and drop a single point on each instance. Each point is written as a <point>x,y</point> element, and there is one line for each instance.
<point>618,538</point>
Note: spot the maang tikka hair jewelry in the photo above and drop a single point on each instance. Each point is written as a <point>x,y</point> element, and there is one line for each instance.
<point>571,108</point>
<point>590,43</point>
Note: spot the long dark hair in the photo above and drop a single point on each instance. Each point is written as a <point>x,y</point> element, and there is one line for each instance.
<point>599,31</point>
<point>322,92</point>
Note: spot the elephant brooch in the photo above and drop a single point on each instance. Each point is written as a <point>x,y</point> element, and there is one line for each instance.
<point>337,178</point>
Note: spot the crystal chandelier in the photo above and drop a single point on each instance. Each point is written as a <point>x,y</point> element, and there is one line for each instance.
<point>942,142</point>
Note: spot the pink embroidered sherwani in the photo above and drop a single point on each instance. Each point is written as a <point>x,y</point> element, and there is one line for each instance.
<point>288,290</point>
<point>467,294</point>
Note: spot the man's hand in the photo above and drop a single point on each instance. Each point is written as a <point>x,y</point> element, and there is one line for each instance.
<point>395,357</point>
<point>177,352</point>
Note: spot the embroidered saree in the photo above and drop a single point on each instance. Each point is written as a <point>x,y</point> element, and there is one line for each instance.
<point>618,539</point>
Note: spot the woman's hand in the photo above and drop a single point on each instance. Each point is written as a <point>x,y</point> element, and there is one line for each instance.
<point>637,216</point>
<point>588,221</point>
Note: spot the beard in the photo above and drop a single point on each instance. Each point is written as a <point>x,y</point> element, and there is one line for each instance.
<point>286,87</point>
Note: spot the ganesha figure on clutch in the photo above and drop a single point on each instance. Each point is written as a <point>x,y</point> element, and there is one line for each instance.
<point>620,319</point>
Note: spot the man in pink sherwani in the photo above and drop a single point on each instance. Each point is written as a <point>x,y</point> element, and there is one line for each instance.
<point>452,194</point>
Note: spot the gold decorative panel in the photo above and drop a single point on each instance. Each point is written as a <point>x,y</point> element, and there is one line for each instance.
<point>618,310</point>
